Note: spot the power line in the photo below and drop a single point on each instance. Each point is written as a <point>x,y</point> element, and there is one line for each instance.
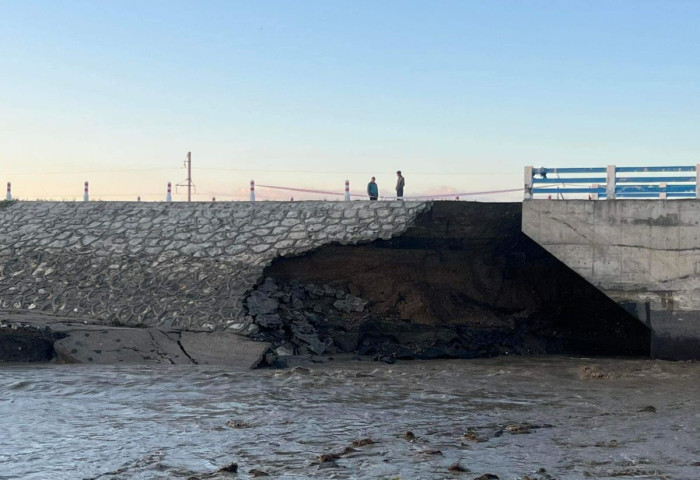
<point>83,172</point>
<point>341,172</point>
<point>249,170</point>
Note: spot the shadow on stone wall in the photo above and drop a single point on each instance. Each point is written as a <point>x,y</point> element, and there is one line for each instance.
<point>462,282</point>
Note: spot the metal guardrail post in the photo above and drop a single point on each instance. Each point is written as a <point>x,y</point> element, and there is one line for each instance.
<point>528,183</point>
<point>610,186</point>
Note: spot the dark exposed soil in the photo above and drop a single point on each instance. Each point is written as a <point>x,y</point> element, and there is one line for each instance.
<point>466,272</point>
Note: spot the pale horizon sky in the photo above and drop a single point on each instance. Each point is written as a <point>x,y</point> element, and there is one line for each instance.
<point>459,95</point>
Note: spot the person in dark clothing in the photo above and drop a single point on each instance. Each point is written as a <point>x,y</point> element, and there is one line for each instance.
<point>400,182</point>
<point>372,190</point>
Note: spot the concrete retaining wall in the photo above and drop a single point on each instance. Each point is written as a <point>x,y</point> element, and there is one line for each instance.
<point>179,265</point>
<point>643,254</point>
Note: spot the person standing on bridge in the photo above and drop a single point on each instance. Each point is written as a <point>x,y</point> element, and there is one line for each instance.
<point>400,182</point>
<point>372,190</point>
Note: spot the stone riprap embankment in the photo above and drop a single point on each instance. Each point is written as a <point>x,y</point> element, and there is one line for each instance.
<point>168,265</point>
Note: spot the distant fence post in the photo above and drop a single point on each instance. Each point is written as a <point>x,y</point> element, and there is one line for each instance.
<point>662,193</point>
<point>252,190</point>
<point>347,190</point>
<point>86,195</point>
<point>169,195</point>
<point>8,197</point>
<point>528,183</point>
<point>697,181</point>
<point>611,180</point>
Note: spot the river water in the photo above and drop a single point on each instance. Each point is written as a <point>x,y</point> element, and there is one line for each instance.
<point>511,417</point>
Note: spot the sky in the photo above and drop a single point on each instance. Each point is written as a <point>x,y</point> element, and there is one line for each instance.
<point>459,95</point>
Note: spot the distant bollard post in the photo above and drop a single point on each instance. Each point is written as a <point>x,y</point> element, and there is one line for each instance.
<point>169,195</point>
<point>347,190</point>
<point>457,198</point>
<point>86,195</point>
<point>213,199</point>
<point>252,190</point>
<point>138,199</point>
<point>8,197</point>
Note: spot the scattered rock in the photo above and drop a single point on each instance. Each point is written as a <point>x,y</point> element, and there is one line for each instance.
<point>328,457</point>
<point>593,372</point>
<point>284,351</point>
<point>238,424</point>
<point>473,436</point>
<point>259,303</point>
<point>487,476</point>
<point>230,468</point>
<point>540,475</point>
<point>269,320</point>
<point>258,473</point>
<point>409,436</point>
<point>362,442</point>
<point>519,429</point>
<point>314,343</point>
<point>457,467</point>
<point>350,304</point>
<point>386,358</point>
<point>649,409</point>
<point>431,452</point>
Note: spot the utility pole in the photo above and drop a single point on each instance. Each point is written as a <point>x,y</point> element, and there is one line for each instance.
<point>189,184</point>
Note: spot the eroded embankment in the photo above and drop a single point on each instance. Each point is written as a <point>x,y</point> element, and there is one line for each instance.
<point>449,279</point>
<point>168,265</point>
<point>462,282</point>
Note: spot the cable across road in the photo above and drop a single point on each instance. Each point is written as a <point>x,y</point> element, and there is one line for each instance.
<point>355,194</point>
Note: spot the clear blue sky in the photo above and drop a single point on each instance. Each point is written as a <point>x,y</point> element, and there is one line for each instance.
<point>459,95</point>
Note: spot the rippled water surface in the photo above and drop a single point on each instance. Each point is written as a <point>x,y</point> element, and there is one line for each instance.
<point>583,417</point>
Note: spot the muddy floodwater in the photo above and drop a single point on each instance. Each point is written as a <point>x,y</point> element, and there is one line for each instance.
<point>515,418</point>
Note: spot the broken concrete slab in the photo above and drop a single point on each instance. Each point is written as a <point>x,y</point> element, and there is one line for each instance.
<point>115,345</point>
<point>223,348</point>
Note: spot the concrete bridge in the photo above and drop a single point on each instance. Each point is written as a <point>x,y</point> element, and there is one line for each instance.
<point>644,254</point>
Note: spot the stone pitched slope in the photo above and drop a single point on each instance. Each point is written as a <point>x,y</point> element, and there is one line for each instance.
<point>170,265</point>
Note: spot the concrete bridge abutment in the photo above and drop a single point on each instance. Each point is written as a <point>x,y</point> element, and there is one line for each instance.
<point>643,254</point>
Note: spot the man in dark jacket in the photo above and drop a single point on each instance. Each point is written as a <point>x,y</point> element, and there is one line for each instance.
<point>372,190</point>
<point>400,182</point>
